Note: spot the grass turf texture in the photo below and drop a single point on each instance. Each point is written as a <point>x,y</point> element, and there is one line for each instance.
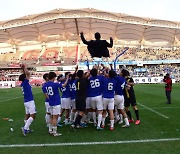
<point>153,126</point>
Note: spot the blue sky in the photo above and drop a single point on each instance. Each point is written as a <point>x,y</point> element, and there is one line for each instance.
<point>159,9</point>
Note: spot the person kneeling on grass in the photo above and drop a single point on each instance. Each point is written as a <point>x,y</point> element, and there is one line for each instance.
<point>52,92</point>
<point>28,100</point>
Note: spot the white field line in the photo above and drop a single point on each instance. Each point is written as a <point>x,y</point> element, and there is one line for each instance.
<point>160,108</point>
<point>16,98</point>
<point>162,115</point>
<point>89,143</point>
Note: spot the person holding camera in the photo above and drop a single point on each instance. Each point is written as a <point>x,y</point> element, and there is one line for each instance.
<point>168,87</point>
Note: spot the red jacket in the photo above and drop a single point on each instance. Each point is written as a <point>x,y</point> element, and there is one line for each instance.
<point>168,84</point>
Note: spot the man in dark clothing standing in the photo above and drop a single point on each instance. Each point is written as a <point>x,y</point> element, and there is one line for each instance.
<point>81,94</point>
<point>98,48</point>
<point>168,87</point>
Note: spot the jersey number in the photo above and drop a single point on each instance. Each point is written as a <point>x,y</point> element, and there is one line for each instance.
<point>110,86</point>
<point>49,91</point>
<point>95,83</point>
<point>73,87</point>
<point>122,86</point>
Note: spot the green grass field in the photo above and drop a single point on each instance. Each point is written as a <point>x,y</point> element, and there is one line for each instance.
<point>158,121</point>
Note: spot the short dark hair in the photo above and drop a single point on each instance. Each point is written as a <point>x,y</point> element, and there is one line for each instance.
<point>125,72</point>
<point>73,76</point>
<point>45,76</point>
<point>167,74</point>
<point>67,73</point>
<point>80,73</point>
<point>112,74</point>
<point>52,75</point>
<point>22,77</point>
<point>97,35</point>
<point>93,72</point>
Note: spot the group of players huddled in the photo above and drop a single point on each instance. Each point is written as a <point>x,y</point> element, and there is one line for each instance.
<point>97,96</point>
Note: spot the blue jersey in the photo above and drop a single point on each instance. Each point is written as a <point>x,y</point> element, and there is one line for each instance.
<point>73,89</point>
<point>121,82</point>
<point>52,89</point>
<point>65,90</point>
<point>44,91</point>
<point>27,91</point>
<point>95,86</point>
<point>109,86</point>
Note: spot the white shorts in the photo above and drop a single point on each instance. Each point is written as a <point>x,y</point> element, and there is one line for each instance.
<point>73,103</point>
<point>119,101</point>
<point>66,103</point>
<point>88,103</point>
<point>30,107</point>
<point>55,110</point>
<point>47,107</point>
<point>108,103</point>
<point>96,102</point>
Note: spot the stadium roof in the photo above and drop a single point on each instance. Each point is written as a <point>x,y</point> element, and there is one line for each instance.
<point>65,25</point>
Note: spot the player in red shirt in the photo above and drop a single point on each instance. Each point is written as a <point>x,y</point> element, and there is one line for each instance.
<point>168,87</point>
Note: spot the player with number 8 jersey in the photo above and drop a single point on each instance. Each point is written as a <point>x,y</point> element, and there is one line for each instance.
<point>52,90</point>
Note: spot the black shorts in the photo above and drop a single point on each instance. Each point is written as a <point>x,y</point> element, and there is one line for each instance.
<point>80,104</point>
<point>129,101</point>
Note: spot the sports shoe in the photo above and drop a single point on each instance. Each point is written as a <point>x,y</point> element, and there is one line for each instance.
<point>59,125</point>
<point>120,122</point>
<point>111,128</point>
<point>125,126</point>
<point>24,131</point>
<point>131,120</point>
<point>89,122</point>
<point>56,134</point>
<point>73,127</point>
<point>50,132</point>
<point>30,131</point>
<point>99,128</point>
<point>137,122</point>
<point>102,126</point>
<point>83,125</point>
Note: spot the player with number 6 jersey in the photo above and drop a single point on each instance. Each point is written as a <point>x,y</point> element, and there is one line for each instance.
<point>109,86</point>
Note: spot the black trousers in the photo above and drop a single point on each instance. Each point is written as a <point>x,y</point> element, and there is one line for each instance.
<point>168,96</point>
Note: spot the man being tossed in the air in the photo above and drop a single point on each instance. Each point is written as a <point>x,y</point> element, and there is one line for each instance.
<point>97,48</point>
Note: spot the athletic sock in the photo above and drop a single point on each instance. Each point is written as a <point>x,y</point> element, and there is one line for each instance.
<point>72,116</point>
<point>28,123</point>
<point>99,120</point>
<point>54,129</point>
<point>76,114</point>
<point>66,121</point>
<point>84,118</point>
<point>89,116</point>
<point>50,128</point>
<point>94,117</point>
<point>47,118</point>
<point>103,121</point>
<point>59,120</point>
<point>112,123</point>
<point>129,115</point>
<point>126,121</point>
<point>121,117</point>
<point>78,119</point>
<point>137,114</point>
